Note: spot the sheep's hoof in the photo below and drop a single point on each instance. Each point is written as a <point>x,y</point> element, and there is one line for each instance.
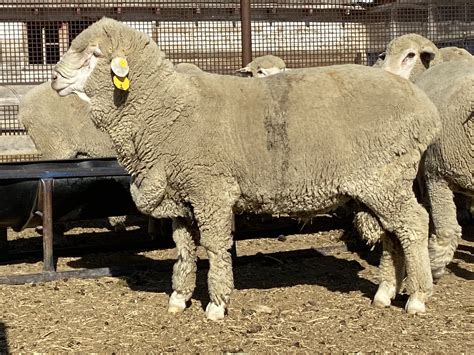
<point>415,305</point>
<point>215,312</point>
<point>438,273</point>
<point>384,295</point>
<point>176,303</point>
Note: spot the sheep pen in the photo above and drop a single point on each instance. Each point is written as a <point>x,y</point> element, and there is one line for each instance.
<point>197,155</point>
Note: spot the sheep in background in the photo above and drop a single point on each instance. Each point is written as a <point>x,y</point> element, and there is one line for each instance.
<point>60,127</point>
<point>263,66</point>
<point>411,54</point>
<point>197,155</point>
<point>189,68</point>
<point>449,162</point>
<point>449,54</point>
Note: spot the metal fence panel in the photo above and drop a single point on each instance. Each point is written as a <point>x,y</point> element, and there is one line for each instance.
<point>33,35</point>
<point>208,33</point>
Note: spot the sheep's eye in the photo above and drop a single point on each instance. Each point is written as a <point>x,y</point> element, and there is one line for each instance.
<point>382,55</point>
<point>411,55</point>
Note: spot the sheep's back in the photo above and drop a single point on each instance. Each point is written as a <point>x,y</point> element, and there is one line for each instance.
<point>332,116</point>
<point>306,130</point>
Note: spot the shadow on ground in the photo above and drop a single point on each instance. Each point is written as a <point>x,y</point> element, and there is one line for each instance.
<point>3,340</point>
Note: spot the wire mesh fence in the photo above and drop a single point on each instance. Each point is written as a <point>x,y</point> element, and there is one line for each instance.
<point>33,35</point>
<point>9,125</point>
<point>208,33</point>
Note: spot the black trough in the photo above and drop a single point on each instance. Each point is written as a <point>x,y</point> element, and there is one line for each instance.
<point>33,192</point>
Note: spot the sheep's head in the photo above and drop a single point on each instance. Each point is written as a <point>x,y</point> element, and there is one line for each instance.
<point>102,52</point>
<point>409,56</point>
<point>263,66</point>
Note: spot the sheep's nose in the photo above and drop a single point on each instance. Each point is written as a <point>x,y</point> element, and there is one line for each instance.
<point>54,75</point>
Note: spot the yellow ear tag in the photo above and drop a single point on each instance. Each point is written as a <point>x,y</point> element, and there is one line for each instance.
<point>121,83</point>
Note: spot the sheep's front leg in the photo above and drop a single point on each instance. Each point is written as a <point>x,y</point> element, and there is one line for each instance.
<point>184,270</point>
<point>215,220</point>
<point>410,226</point>
<point>392,271</point>
<point>447,231</point>
<point>392,263</point>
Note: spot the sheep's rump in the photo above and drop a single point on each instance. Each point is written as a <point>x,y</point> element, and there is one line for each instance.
<point>308,131</point>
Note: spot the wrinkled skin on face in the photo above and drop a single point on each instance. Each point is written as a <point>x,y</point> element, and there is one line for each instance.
<point>409,56</point>
<point>70,75</point>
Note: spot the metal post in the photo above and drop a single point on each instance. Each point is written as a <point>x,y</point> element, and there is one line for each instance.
<point>246,32</point>
<point>46,190</point>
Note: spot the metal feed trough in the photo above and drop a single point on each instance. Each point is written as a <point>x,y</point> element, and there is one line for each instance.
<point>35,192</point>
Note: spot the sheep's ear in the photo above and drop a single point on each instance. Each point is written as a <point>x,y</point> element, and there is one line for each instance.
<point>427,53</point>
<point>245,71</point>
<point>120,69</point>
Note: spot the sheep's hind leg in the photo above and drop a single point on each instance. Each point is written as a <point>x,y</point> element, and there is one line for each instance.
<point>408,221</point>
<point>185,268</point>
<point>447,231</point>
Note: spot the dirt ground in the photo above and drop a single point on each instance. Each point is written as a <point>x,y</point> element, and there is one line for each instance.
<point>289,298</point>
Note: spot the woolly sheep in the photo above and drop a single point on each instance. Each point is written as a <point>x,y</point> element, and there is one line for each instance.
<point>299,146</point>
<point>411,54</point>
<point>263,66</point>
<point>449,162</point>
<point>449,54</point>
<point>60,126</point>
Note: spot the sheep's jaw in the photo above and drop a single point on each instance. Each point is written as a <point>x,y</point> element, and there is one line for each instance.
<point>71,73</point>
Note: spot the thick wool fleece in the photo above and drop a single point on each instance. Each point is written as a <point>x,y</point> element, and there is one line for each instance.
<point>61,127</point>
<point>454,53</point>
<point>298,143</point>
<point>449,162</point>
